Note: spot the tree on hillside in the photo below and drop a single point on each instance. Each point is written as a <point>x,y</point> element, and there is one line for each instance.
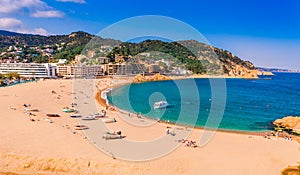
<point>12,75</point>
<point>9,76</point>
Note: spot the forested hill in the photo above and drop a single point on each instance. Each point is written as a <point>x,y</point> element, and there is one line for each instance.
<point>34,47</point>
<point>9,39</point>
<point>198,57</point>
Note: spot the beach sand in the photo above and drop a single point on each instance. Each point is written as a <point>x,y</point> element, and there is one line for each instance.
<point>40,147</point>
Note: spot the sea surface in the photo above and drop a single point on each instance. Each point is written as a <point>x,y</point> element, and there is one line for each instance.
<point>238,104</point>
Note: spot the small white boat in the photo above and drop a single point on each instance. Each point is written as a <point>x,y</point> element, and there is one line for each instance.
<point>160,104</point>
<point>109,120</point>
<point>90,117</point>
<point>112,135</point>
<point>31,109</point>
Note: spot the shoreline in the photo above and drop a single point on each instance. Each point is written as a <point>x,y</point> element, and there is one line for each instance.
<point>104,102</point>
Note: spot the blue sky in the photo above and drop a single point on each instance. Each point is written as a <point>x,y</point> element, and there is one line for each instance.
<point>264,32</point>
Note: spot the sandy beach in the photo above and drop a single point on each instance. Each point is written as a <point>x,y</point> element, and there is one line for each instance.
<point>41,147</point>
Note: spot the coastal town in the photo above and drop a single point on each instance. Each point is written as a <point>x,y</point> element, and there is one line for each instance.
<point>75,56</point>
<point>196,87</point>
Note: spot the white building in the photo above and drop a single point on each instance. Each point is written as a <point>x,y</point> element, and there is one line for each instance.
<point>37,70</point>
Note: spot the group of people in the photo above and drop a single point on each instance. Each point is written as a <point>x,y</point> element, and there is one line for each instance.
<point>278,134</point>
<point>138,115</point>
<point>170,132</point>
<point>188,143</point>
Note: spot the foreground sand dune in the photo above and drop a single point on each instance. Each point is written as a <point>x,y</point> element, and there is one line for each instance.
<point>40,147</point>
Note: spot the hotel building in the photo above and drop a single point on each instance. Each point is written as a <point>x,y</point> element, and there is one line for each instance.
<point>37,70</point>
<point>80,71</point>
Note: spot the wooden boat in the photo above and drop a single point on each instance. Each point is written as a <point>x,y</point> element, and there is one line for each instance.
<point>53,115</point>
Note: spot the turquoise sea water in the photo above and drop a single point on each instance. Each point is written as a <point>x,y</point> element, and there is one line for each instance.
<point>251,105</point>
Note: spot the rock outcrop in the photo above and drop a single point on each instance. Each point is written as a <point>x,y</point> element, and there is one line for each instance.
<point>291,170</point>
<point>266,73</point>
<point>156,77</point>
<point>289,123</point>
<point>236,70</point>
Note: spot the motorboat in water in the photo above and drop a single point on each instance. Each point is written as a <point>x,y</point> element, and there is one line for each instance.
<point>160,104</point>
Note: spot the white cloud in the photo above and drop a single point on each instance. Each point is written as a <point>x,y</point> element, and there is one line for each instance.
<point>11,6</point>
<point>10,23</point>
<point>37,8</point>
<point>15,25</point>
<point>40,31</point>
<point>48,14</point>
<point>75,1</point>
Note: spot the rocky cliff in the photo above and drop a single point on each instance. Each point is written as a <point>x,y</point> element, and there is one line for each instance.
<point>289,123</point>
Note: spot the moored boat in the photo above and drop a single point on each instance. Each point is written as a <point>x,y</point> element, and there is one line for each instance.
<point>160,104</point>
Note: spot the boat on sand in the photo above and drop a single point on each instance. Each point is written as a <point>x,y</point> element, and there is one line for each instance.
<point>67,110</point>
<point>80,127</point>
<point>53,115</point>
<point>90,117</point>
<point>31,109</point>
<point>75,115</point>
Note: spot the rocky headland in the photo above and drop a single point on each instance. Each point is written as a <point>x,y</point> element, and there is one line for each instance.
<point>289,123</point>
